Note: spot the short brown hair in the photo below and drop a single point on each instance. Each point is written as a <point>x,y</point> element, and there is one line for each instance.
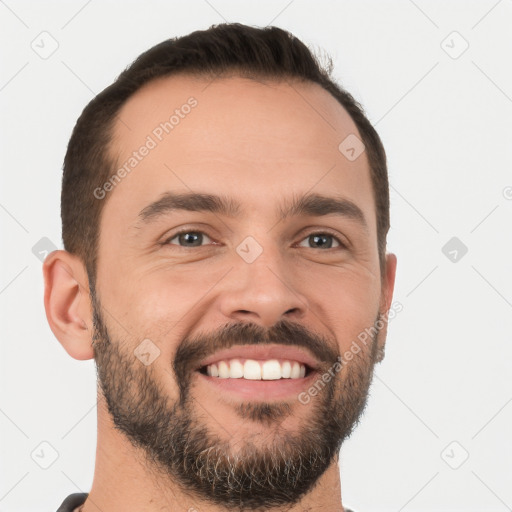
<point>269,52</point>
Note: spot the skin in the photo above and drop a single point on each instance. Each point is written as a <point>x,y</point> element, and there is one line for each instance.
<point>258,143</point>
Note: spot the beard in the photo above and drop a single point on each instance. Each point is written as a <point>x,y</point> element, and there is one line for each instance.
<point>180,447</point>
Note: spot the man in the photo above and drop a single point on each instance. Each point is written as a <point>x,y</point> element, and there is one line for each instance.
<point>225,207</point>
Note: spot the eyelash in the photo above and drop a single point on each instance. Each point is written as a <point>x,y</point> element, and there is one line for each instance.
<point>341,246</point>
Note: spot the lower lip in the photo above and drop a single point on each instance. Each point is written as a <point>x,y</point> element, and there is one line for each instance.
<point>261,389</point>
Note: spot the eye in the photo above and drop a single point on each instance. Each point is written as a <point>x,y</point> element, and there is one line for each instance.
<point>322,241</point>
<point>188,238</point>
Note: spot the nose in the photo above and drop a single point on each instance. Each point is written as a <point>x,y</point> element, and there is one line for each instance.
<point>264,292</point>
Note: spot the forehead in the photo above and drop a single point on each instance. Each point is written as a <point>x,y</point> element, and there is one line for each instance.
<point>234,136</point>
<point>240,107</point>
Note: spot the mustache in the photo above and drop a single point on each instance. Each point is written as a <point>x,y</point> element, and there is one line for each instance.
<point>193,350</point>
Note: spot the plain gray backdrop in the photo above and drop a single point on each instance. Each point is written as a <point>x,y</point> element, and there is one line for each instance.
<point>436,81</point>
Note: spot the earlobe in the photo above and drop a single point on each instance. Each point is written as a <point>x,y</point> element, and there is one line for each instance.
<point>67,303</point>
<point>388,285</point>
<point>391,262</point>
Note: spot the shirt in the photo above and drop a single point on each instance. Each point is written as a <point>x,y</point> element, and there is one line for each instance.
<point>78,498</point>
<point>72,501</point>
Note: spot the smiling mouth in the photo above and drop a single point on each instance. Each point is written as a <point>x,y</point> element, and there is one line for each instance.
<point>254,369</point>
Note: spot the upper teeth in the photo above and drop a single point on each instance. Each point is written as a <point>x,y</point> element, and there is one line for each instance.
<point>256,370</point>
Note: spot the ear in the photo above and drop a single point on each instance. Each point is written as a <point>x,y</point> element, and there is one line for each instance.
<point>388,285</point>
<point>67,303</point>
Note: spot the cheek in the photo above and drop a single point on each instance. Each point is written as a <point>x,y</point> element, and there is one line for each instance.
<point>158,302</point>
<point>347,301</point>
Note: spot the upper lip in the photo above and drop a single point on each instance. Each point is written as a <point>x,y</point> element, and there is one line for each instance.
<point>274,351</point>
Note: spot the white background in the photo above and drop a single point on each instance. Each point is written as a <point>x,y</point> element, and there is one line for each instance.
<point>446,125</point>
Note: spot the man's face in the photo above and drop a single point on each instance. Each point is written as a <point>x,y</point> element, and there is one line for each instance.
<point>247,283</point>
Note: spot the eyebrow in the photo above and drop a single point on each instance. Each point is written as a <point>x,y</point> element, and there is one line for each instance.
<point>315,205</point>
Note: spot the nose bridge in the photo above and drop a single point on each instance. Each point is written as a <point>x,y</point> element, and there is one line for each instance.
<point>261,287</point>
